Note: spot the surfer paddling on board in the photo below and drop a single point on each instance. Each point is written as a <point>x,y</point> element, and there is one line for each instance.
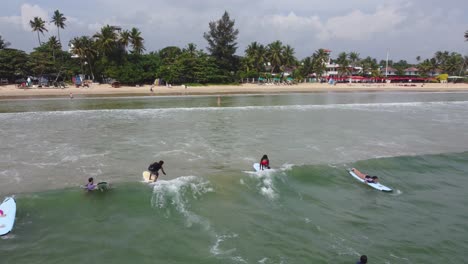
<point>264,162</point>
<point>367,178</point>
<point>90,186</point>
<point>154,168</point>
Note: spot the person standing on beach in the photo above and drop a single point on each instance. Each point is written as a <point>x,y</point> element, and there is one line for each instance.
<point>71,95</point>
<point>154,168</point>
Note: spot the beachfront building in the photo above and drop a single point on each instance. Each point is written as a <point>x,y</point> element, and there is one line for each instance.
<point>331,69</point>
<point>389,71</point>
<point>412,71</point>
<point>435,73</point>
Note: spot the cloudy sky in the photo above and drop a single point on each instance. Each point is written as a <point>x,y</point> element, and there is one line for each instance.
<point>370,27</point>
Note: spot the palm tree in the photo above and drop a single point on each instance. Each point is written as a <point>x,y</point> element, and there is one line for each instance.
<point>59,20</point>
<point>38,25</point>
<point>3,43</point>
<point>319,59</point>
<point>418,58</point>
<point>425,67</point>
<point>441,57</point>
<point>124,39</point>
<point>54,45</point>
<point>251,53</point>
<point>342,60</point>
<point>84,48</point>
<point>288,56</point>
<point>191,49</point>
<point>256,56</point>
<point>353,58</point>
<point>137,41</point>
<point>106,39</point>
<point>275,55</point>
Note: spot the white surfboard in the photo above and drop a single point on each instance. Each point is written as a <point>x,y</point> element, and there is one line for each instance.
<point>377,186</point>
<point>7,220</point>
<point>146,175</point>
<point>256,166</point>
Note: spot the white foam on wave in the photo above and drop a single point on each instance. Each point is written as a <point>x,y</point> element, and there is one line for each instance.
<point>162,112</point>
<point>167,193</point>
<point>215,249</point>
<point>266,179</point>
<point>74,158</point>
<point>190,156</point>
<point>226,254</point>
<point>11,174</point>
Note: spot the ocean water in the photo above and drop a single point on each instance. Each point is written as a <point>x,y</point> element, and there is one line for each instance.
<point>211,207</point>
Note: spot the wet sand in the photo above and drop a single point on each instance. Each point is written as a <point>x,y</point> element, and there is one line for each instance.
<point>102,90</point>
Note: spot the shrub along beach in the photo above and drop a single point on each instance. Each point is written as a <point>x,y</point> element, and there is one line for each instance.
<point>117,56</point>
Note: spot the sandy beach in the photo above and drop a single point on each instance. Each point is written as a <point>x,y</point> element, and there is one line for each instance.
<point>99,90</point>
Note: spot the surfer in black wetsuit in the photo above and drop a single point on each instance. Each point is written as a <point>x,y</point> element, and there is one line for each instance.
<point>154,168</point>
<point>371,179</point>
<point>362,260</point>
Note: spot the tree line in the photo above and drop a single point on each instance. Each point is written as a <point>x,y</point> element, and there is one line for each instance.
<point>119,54</point>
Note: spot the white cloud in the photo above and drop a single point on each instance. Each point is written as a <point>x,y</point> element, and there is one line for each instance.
<point>15,20</point>
<point>360,26</point>
<point>366,26</point>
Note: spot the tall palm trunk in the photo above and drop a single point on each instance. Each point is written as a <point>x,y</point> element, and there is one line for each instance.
<point>38,38</point>
<point>58,34</point>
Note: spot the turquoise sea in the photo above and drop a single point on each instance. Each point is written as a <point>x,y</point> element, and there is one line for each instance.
<point>211,207</point>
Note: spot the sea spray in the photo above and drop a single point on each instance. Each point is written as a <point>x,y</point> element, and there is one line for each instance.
<point>175,194</point>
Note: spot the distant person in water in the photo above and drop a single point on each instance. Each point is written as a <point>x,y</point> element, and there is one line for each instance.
<point>264,162</point>
<point>154,169</point>
<point>367,178</point>
<point>90,186</point>
<point>362,260</point>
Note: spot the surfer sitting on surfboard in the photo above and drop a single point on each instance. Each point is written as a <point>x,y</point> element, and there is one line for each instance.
<point>264,162</point>
<point>154,168</point>
<point>367,178</point>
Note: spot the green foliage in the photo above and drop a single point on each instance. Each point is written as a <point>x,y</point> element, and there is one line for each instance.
<point>222,43</point>
<point>3,43</point>
<point>135,69</point>
<point>13,64</point>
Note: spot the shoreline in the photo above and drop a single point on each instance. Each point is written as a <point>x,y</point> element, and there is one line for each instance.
<point>9,92</point>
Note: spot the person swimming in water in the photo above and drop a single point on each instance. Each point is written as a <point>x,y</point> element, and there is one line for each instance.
<point>154,169</point>
<point>264,162</point>
<point>365,177</point>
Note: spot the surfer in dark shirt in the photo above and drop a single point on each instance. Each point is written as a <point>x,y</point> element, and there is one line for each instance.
<point>154,168</point>
<point>362,260</point>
